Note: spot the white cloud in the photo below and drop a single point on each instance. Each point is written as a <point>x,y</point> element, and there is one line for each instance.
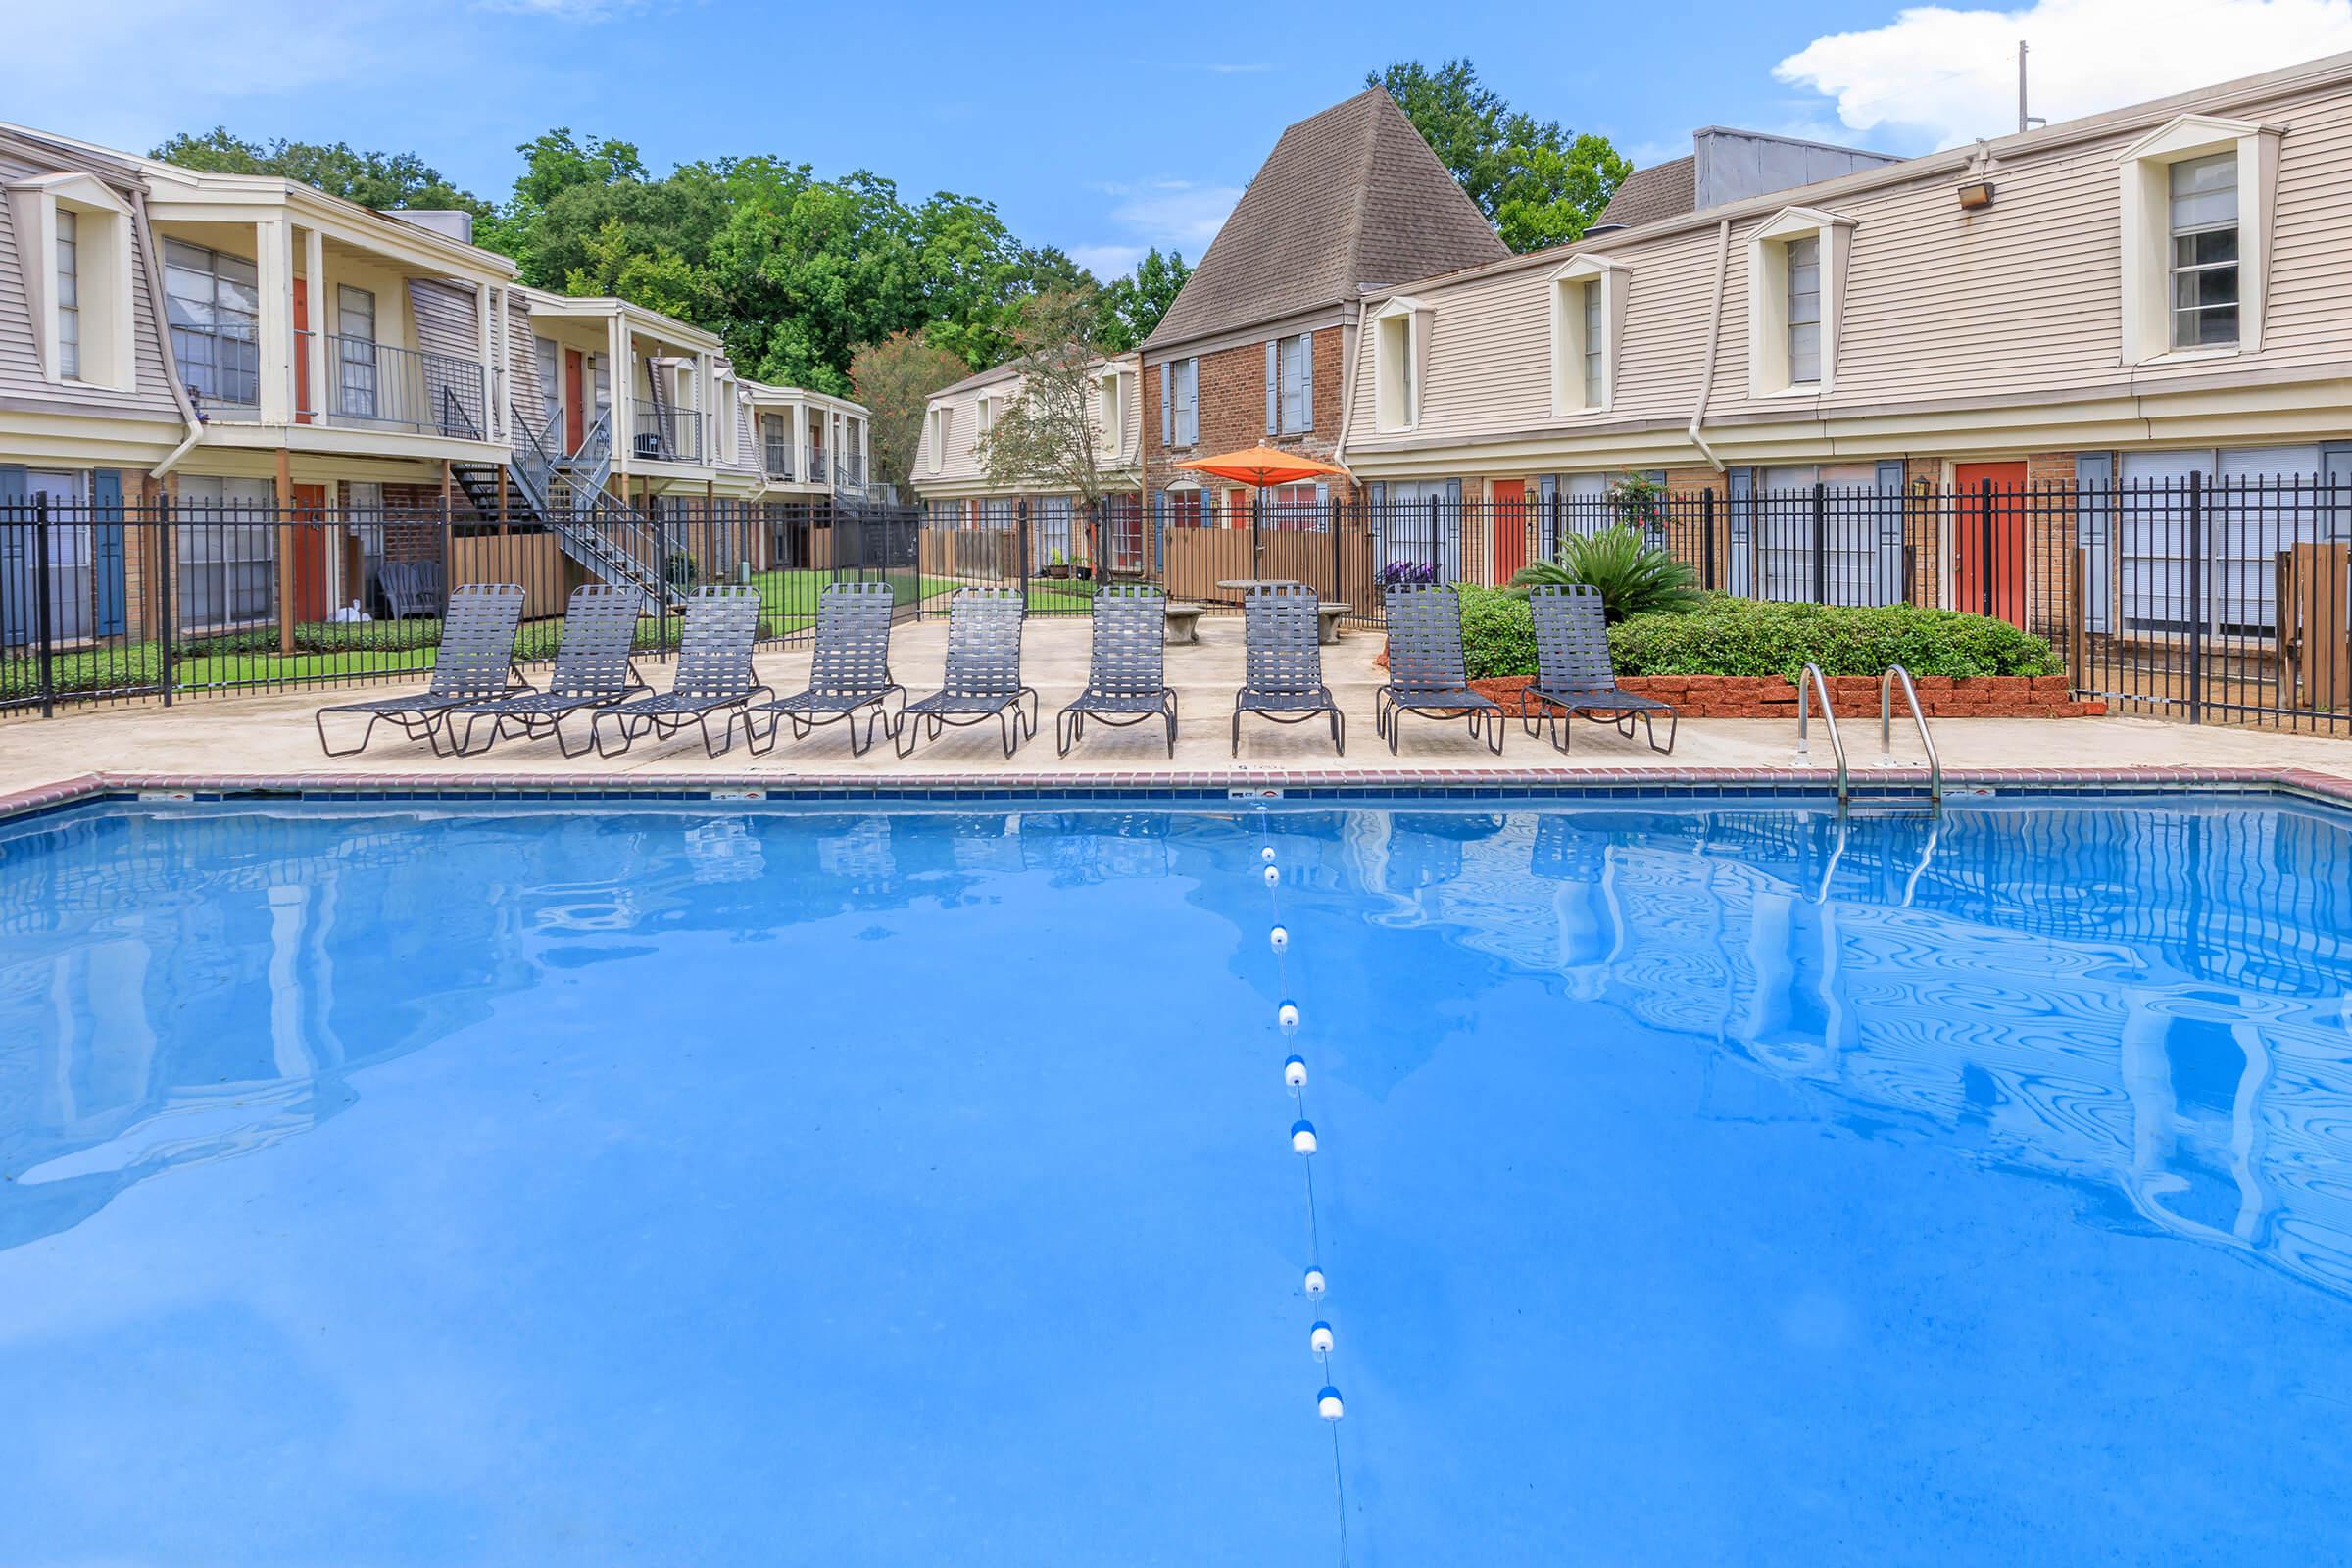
<point>1939,76</point>
<point>564,10</point>
<point>1107,261</point>
<point>1173,215</point>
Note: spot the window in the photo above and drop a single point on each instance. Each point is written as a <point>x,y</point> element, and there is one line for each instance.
<point>1188,401</point>
<point>355,353</point>
<point>984,420</point>
<point>1804,311</point>
<point>2195,206</point>
<point>1290,385</point>
<point>550,393</point>
<point>2203,215</point>
<point>1588,303</point>
<point>1795,262</point>
<point>69,297</point>
<point>942,421</point>
<point>226,551</point>
<point>214,303</point>
<point>1399,344</point>
<point>1594,398</point>
<point>1111,411</point>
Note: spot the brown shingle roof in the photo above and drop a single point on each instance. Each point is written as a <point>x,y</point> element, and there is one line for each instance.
<point>1662,191</point>
<point>1351,198</point>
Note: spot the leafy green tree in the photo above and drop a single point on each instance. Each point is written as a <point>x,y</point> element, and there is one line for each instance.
<point>1131,307</point>
<point>1538,185</point>
<point>386,181</point>
<point>895,379</point>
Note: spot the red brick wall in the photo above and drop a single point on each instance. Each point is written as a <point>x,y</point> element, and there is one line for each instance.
<point>1233,414</point>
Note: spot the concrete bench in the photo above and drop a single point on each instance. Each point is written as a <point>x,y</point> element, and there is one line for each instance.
<point>1184,622</point>
<point>1326,621</point>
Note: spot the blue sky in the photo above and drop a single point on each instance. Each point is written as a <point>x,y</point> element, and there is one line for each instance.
<point>1092,126</point>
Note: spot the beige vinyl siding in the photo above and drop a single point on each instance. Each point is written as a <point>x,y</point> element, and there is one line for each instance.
<point>443,312</point>
<point>1937,309</point>
<point>21,383</point>
<point>960,466</point>
<point>524,391</point>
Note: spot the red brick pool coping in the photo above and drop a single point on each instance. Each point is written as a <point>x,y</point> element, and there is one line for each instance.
<point>1600,781</point>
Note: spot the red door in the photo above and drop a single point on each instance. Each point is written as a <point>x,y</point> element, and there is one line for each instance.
<point>574,431</point>
<point>308,538</point>
<point>1510,527</point>
<point>301,351</point>
<point>1989,550</point>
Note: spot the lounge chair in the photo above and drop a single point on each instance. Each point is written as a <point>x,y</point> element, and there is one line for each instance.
<point>714,675</point>
<point>475,664</point>
<point>593,669</point>
<point>1573,674</point>
<point>1426,672</point>
<point>1282,663</point>
<point>983,678</point>
<point>1126,679</point>
<point>849,675</point>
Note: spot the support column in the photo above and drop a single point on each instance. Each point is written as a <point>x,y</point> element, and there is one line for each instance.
<point>625,393</point>
<point>273,264</point>
<point>484,332</point>
<point>314,271</point>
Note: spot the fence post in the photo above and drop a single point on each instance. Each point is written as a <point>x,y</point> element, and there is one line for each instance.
<point>42,631</point>
<point>1985,563</point>
<point>1820,543</point>
<point>1435,560</point>
<point>661,575</point>
<point>2196,597</point>
<point>1020,546</point>
<point>1257,543</point>
<point>1331,521</point>
<point>1706,539</point>
<point>167,595</point>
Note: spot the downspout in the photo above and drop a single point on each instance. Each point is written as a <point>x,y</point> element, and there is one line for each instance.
<point>153,264</point>
<point>1706,367</point>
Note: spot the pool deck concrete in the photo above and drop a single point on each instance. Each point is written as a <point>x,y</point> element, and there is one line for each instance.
<point>268,741</point>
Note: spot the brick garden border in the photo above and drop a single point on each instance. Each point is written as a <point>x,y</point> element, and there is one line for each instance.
<point>1850,696</point>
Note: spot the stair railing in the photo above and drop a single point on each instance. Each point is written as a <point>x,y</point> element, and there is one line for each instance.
<point>1886,685</point>
<point>1810,682</point>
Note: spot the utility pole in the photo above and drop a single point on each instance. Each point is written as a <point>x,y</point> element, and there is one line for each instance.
<point>2024,121</point>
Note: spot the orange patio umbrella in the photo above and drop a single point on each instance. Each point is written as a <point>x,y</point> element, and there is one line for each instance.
<point>1263,468</point>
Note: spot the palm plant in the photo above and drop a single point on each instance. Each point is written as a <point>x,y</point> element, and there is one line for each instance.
<point>1634,577</point>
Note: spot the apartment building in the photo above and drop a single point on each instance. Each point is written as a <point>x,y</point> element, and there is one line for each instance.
<point>951,479</point>
<point>1255,349</point>
<point>2149,295</point>
<point>245,349</point>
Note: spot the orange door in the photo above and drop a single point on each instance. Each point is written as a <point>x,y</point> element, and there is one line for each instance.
<point>1989,550</point>
<point>301,351</point>
<point>309,539</point>
<point>1510,527</point>
<point>574,431</point>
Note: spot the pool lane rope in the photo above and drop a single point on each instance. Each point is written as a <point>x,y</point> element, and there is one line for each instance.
<point>1321,1342</point>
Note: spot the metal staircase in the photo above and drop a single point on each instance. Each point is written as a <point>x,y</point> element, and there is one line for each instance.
<point>567,496</point>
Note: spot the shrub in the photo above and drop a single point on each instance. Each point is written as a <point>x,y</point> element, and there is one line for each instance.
<point>1634,577</point>
<point>1724,636</point>
<point>1744,637</point>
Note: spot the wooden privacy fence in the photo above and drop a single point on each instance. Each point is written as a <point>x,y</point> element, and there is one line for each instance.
<point>1337,565</point>
<point>987,555</point>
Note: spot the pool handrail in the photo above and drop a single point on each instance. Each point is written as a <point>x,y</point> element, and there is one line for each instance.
<point>1886,684</point>
<point>1810,682</point>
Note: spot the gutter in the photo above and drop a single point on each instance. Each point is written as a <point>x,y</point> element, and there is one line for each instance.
<point>153,264</point>
<point>1706,368</point>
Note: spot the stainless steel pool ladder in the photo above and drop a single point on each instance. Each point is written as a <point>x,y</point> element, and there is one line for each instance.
<point>1811,684</point>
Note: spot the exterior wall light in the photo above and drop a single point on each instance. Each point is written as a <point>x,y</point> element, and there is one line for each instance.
<point>1976,195</point>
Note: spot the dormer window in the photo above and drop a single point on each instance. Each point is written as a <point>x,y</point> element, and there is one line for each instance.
<point>74,261</point>
<point>942,421</point>
<point>1110,410</point>
<point>2195,208</point>
<point>1588,313</point>
<point>2203,213</point>
<point>1796,278</point>
<point>1400,363</point>
<point>984,421</point>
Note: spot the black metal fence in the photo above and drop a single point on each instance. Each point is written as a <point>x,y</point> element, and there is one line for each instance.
<point>170,601</point>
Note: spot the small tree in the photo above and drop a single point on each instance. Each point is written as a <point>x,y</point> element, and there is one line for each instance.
<point>1050,436</point>
<point>895,379</point>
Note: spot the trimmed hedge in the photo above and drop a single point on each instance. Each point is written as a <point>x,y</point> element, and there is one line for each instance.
<point>1726,636</point>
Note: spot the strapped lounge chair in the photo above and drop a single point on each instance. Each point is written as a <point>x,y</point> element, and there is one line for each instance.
<point>1126,680</point>
<point>1572,672</point>
<point>593,669</point>
<point>1426,672</point>
<point>476,662</point>
<point>983,677</point>
<point>850,674</point>
<point>1281,670</point>
<point>714,675</point>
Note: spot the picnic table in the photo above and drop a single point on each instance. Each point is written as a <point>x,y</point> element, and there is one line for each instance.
<point>1327,613</point>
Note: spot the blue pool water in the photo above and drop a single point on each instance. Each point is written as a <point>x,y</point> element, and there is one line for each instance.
<point>391,1184</point>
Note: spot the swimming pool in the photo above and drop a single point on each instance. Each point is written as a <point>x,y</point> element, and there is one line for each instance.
<point>405,1183</point>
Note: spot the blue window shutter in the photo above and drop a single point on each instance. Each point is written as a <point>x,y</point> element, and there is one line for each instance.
<point>17,618</point>
<point>1891,533</point>
<point>1378,493</point>
<point>1273,382</point>
<point>1306,380</point>
<point>2094,500</point>
<point>105,548</point>
<point>1742,486</point>
<point>1322,494</point>
<point>2335,468</point>
<point>1167,406</point>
